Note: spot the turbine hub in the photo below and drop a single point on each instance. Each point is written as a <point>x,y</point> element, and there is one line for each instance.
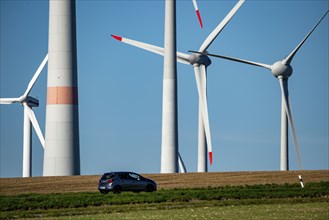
<point>201,59</point>
<point>280,69</point>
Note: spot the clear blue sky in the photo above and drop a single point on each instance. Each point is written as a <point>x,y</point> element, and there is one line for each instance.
<point>120,86</point>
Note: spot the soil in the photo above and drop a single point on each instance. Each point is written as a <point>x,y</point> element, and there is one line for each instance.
<point>61,184</point>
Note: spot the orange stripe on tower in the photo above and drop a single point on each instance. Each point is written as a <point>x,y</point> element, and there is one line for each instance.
<point>62,95</point>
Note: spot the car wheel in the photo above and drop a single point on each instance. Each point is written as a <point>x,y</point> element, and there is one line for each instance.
<point>149,188</point>
<point>117,190</point>
<point>104,191</point>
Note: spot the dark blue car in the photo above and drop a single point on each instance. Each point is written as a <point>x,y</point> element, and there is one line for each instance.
<point>117,182</point>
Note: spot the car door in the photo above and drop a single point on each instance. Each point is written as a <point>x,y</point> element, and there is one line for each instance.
<point>124,181</point>
<point>136,182</point>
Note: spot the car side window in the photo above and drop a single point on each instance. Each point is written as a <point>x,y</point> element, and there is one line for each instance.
<point>123,176</point>
<point>134,176</point>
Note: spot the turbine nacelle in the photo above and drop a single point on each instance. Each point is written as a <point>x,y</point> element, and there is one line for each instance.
<point>32,102</point>
<point>200,59</point>
<point>281,69</point>
<point>29,100</point>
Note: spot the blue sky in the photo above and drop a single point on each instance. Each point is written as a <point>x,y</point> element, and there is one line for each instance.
<point>120,86</point>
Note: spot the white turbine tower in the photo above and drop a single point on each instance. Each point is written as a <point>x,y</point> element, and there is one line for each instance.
<point>282,70</point>
<point>28,102</point>
<point>170,157</point>
<point>62,152</point>
<point>199,63</point>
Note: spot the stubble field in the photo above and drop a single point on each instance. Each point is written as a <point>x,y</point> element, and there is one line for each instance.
<point>44,185</point>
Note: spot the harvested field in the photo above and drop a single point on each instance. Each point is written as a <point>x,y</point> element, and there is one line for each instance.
<point>43,185</point>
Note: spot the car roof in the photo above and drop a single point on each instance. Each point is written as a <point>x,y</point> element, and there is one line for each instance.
<point>120,172</point>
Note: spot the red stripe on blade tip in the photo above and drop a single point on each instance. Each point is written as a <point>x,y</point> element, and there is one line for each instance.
<point>199,17</point>
<point>210,157</point>
<point>116,37</point>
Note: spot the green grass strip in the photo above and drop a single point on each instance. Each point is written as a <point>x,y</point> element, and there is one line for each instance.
<point>28,205</point>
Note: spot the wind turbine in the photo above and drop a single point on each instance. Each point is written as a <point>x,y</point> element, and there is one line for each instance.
<point>28,102</point>
<point>199,63</point>
<point>282,70</point>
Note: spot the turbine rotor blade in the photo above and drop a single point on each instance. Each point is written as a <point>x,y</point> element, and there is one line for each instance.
<point>144,46</point>
<point>200,76</point>
<point>197,12</point>
<point>181,164</point>
<point>220,27</point>
<point>35,77</point>
<point>35,124</point>
<point>289,58</point>
<point>181,57</point>
<point>235,59</point>
<point>284,91</point>
<point>8,101</point>
<point>206,116</point>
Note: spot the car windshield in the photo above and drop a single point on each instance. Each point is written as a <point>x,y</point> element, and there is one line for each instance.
<point>107,176</point>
